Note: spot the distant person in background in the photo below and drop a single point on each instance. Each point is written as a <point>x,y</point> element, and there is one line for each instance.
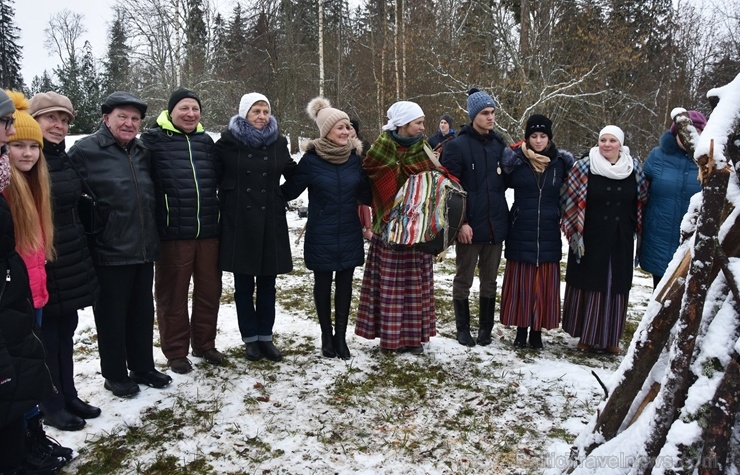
<point>24,378</point>
<point>601,233</point>
<point>70,278</point>
<point>116,166</point>
<point>397,298</point>
<point>530,295</point>
<point>673,179</point>
<point>252,156</point>
<point>475,157</point>
<point>444,134</point>
<point>331,169</point>
<point>185,178</point>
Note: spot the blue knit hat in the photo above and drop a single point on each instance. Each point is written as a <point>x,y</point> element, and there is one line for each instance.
<point>477,101</point>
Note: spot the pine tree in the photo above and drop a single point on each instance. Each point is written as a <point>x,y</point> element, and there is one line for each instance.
<point>11,52</point>
<point>117,65</point>
<point>88,109</point>
<point>41,83</point>
<point>196,41</point>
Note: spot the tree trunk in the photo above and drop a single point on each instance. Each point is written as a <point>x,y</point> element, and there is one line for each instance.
<point>679,378</point>
<point>720,421</point>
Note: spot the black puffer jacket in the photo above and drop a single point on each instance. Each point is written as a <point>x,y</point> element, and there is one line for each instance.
<point>70,278</point>
<point>185,181</point>
<point>122,184</point>
<point>24,377</point>
<point>475,159</point>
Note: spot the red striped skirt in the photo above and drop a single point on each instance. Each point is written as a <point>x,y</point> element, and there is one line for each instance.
<point>597,318</point>
<point>397,296</point>
<point>530,296</point>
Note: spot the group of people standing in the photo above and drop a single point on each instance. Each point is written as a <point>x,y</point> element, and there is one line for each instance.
<point>198,207</point>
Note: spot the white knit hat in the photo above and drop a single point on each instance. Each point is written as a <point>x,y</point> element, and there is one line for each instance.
<point>248,101</point>
<point>402,113</point>
<point>615,131</point>
<point>320,110</point>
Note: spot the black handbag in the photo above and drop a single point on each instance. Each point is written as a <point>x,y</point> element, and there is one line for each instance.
<point>87,208</point>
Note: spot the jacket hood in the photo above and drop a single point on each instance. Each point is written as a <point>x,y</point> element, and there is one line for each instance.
<point>669,144</point>
<point>470,130</point>
<point>165,121</point>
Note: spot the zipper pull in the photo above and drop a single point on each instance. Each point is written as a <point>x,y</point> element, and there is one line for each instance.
<point>7,275</point>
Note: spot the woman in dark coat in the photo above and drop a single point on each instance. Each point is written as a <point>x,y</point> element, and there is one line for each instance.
<point>252,156</point>
<point>24,379</point>
<point>331,169</point>
<point>70,278</point>
<point>601,232</point>
<point>530,297</point>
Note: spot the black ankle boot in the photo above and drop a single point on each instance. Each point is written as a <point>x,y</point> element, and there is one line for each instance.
<point>340,340</point>
<point>535,339</point>
<point>521,337</point>
<point>327,345</point>
<point>462,322</point>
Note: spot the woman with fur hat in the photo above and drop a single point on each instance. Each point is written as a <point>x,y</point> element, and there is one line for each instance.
<point>601,234</point>
<point>331,169</point>
<point>397,299</point>
<point>71,280</point>
<point>673,179</point>
<point>530,297</point>
<point>252,156</point>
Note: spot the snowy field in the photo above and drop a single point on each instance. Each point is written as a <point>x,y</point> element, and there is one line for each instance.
<point>453,410</point>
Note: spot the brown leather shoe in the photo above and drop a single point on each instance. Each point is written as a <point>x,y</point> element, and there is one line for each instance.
<point>180,365</point>
<point>212,356</point>
<point>612,350</point>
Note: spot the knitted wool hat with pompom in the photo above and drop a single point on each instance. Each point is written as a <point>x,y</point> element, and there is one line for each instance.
<point>26,127</point>
<point>326,117</point>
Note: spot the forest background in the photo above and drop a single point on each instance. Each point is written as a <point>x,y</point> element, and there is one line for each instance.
<point>584,63</point>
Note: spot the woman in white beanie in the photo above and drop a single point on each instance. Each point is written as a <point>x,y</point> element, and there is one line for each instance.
<point>254,231</point>
<point>331,169</point>
<point>397,299</point>
<point>601,236</point>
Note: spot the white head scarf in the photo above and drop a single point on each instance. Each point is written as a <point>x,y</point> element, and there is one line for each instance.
<point>248,101</point>
<point>401,113</point>
<point>615,131</point>
<point>601,166</point>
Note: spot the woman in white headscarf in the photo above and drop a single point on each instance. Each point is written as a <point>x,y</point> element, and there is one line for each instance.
<point>397,299</point>
<point>601,236</point>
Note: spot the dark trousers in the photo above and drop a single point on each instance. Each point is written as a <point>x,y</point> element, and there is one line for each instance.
<point>13,444</point>
<point>342,293</point>
<point>256,316</point>
<point>179,260</point>
<point>124,317</point>
<point>57,333</point>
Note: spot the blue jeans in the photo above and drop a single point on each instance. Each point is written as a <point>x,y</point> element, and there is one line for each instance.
<point>256,318</point>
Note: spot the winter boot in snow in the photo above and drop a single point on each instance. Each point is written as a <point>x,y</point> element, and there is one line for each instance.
<point>36,435</point>
<point>485,320</point>
<point>323,309</point>
<point>462,322</point>
<point>521,337</point>
<point>340,341</point>
<point>535,339</point>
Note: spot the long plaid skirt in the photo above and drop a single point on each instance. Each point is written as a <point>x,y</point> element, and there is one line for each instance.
<point>397,296</point>
<point>596,317</point>
<point>530,296</point>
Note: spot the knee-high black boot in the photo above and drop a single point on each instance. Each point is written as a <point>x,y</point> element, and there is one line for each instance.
<point>462,322</point>
<point>323,309</point>
<point>340,341</point>
<point>485,320</point>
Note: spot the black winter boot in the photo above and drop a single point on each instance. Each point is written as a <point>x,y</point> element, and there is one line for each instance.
<point>36,436</point>
<point>340,341</point>
<point>521,337</point>
<point>535,339</point>
<point>323,310</point>
<point>462,322</point>
<point>485,320</point>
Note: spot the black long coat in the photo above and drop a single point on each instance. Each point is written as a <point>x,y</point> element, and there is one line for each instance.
<point>70,277</point>
<point>254,230</point>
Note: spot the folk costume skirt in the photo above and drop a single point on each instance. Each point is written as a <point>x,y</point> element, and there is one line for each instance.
<point>397,297</point>
<point>530,296</point>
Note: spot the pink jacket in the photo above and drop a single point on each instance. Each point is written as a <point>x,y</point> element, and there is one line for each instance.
<point>36,265</point>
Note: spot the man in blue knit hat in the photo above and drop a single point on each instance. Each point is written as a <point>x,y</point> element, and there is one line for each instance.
<point>475,157</point>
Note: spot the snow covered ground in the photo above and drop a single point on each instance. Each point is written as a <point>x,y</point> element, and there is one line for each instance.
<point>452,410</point>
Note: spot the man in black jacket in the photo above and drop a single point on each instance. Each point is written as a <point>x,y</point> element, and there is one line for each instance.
<point>474,157</point>
<point>115,165</point>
